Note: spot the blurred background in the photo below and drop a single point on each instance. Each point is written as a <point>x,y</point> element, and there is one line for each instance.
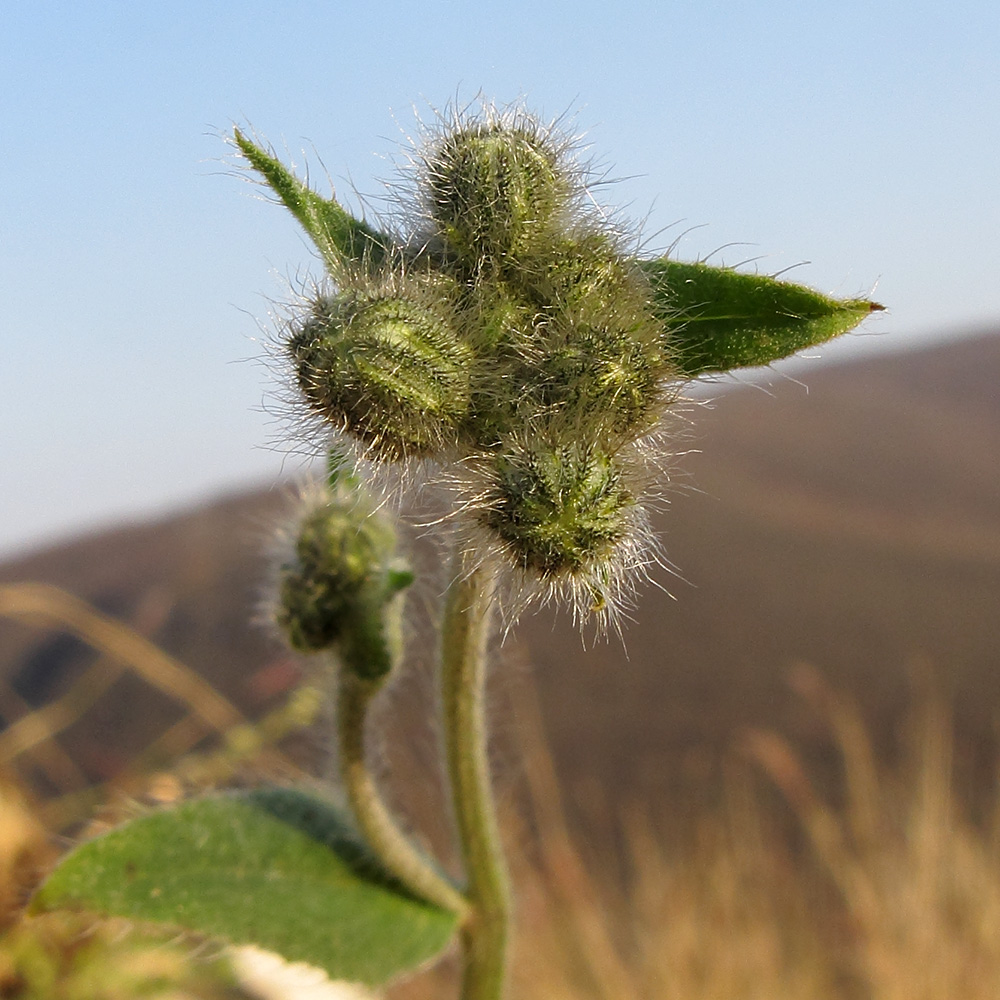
<point>783,782</point>
<point>138,270</point>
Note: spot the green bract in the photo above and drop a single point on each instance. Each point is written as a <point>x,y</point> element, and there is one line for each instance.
<point>338,236</point>
<point>721,319</point>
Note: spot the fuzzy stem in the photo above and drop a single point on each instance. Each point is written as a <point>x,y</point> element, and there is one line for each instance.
<point>463,668</point>
<point>392,847</point>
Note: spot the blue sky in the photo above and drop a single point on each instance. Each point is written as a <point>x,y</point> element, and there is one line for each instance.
<point>136,267</point>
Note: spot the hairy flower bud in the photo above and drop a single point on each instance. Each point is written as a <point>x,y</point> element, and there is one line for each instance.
<point>602,361</point>
<point>557,509</point>
<point>389,370</point>
<point>493,189</point>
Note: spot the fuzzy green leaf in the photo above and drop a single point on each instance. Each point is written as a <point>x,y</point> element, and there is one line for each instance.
<point>720,319</point>
<point>338,236</point>
<point>272,867</point>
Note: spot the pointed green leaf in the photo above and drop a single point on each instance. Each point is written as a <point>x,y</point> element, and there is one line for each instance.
<point>720,319</point>
<point>338,236</point>
<point>272,867</point>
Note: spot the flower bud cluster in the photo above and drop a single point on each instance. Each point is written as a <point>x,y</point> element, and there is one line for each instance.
<point>508,336</point>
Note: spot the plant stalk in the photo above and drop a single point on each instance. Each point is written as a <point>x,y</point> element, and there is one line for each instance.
<point>392,847</point>
<point>464,632</point>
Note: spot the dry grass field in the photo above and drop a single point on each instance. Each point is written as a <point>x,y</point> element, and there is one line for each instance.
<point>770,892</point>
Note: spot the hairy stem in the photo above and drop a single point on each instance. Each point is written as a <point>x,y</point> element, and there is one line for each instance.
<point>392,847</point>
<point>463,668</point>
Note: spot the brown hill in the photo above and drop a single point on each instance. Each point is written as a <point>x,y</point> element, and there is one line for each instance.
<point>855,526</point>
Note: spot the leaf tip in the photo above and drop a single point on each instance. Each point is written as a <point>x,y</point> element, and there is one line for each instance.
<point>240,139</point>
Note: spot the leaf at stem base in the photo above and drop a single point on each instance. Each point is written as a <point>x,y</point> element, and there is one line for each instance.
<point>273,867</point>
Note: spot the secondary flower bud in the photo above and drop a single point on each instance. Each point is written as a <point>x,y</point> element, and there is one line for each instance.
<point>336,587</point>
